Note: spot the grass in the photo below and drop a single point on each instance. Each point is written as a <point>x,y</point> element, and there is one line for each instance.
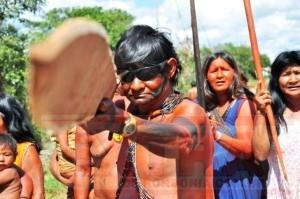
<point>53,188</point>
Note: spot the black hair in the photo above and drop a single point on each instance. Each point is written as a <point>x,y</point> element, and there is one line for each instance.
<point>283,60</point>
<point>236,89</point>
<point>141,45</point>
<point>8,140</point>
<point>16,121</point>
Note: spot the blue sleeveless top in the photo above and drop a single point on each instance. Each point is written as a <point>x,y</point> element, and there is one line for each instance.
<point>236,178</point>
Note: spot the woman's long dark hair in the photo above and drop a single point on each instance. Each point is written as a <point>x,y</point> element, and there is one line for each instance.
<point>236,89</point>
<point>283,60</point>
<point>16,121</point>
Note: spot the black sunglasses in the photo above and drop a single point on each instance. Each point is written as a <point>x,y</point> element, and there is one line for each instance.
<point>146,73</point>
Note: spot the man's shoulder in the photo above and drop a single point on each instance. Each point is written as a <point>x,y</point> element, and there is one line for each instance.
<point>189,104</point>
<point>191,110</point>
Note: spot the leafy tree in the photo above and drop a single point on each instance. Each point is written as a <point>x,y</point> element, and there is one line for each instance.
<point>242,55</point>
<point>13,63</point>
<point>115,21</point>
<point>14,44</point>
<point>13,8</point>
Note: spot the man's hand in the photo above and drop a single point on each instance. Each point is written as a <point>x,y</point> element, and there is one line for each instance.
<point>108,117</point>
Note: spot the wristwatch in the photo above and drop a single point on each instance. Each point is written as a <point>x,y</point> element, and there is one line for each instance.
<point>129,127</point>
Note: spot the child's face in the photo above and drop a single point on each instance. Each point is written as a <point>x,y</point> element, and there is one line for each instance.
<point>7,157</point>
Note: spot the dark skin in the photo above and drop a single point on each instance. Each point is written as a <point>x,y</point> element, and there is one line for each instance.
<point>171,149</point>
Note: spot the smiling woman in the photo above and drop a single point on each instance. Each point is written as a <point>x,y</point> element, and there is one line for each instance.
<point>289,82</point>
<point>284,95</point>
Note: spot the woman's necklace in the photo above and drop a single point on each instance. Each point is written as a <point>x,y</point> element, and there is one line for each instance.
<point>228,106</point>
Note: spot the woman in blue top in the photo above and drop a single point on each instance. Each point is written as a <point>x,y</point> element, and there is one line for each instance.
<point>236,176</point>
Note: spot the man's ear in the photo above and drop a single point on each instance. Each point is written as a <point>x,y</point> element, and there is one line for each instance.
<point>172,63</point>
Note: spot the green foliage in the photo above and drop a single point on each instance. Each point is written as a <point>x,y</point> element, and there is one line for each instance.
<point>114,21</point>
<point>13,8</point>
<point>53,188</point>
<point>13,62</point>
<point>14,44</point>
<point>242,55</point>
<point>187,75</point>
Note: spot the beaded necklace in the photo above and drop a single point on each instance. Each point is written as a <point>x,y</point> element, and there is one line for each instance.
<point>167,107</point>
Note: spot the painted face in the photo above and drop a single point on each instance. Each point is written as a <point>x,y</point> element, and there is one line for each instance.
<point>143,85</point>
<point>289,82</point>
<point>143,92</point>
<point>7,157</point>
<point>220,76</point>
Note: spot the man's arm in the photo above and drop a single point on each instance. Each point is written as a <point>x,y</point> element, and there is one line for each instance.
<point>184,132</point>
<point>83,164</point>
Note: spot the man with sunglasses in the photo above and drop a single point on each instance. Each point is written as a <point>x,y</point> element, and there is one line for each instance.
<point>166,144</point>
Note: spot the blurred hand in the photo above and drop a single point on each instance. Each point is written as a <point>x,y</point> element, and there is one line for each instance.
<point>108,117</point>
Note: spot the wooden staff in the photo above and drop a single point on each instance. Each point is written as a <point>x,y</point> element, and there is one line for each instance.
<point>258,69</point>
<point>199,75</point>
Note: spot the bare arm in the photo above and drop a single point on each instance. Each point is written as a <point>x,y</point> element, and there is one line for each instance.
<point>26,182</point>
<point>27,186</point>
<point>261,139</point>
<point>53,167</point>
<point>67,152</point>
<point>241,145</point>
<point>32,166</point>
<point>7,175</point>
<point>184,131</point>
<point>83,165</point>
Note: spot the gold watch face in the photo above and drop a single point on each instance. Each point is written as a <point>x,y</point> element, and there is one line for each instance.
<point>130,129</point>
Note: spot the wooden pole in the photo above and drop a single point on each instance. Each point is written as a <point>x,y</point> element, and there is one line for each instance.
<point>199,75</point>
<point>258,69</point>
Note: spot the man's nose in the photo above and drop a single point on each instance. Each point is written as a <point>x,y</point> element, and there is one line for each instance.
<point>137,84</point>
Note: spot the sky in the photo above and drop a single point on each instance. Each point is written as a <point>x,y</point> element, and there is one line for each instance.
<point>277,23</point>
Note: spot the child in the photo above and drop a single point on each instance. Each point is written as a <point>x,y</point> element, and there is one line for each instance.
<point>10,182</point>
<point>62,164</point>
